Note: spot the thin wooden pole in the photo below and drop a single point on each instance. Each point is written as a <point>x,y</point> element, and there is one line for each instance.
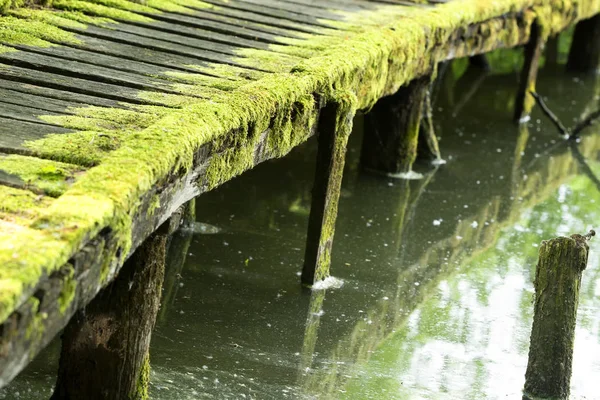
<point>392,130</point>
<point>557,282</point>
<point>335,125</point>
<point>533,52</point>
<point>428,146</point>
<point>584,55</point>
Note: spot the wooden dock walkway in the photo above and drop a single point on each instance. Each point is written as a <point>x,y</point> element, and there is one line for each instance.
<point>114,113</point>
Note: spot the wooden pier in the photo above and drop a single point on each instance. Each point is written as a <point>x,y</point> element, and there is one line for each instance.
<point>114,113</point>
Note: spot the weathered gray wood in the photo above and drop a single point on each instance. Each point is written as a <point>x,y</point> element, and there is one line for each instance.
<point>335,125</point>
<point>256,22</point>
<point>41,103</point>
<point>278,6</point>
<point>428,146</point>
<point>533,50</point>
<point>269,12</point>
<point>105,348</point>
<point>239,15</point>
<point>346,5</point>
<point>584,55</point>
<point>50,94</point>
<point>217,31</point>
<point>392,130</point>
<point>72,84</point>
<point>557,282</point>
<point>13,133</point>
<point>24,113</point>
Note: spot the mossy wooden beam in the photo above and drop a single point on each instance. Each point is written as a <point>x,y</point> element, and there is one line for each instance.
<point>533,51</point>
<point>335,125</point>
<point>584,55</point>
<point>557,283</point>
<point>392,130</point>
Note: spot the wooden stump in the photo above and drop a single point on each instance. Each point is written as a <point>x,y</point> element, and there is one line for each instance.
<point>335,125</point>
<point>392,130</point>
<point>557,282</point>
<point>584,55</point>
<point>105,347</point>
<point>533,51</point>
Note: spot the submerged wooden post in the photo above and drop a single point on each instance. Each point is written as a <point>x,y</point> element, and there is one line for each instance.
<point>584,55</point>
<point>392,131</point>
<point>533,51</point>
<point>335,125</point>
<point>105,348</point>
<point>557,282</point>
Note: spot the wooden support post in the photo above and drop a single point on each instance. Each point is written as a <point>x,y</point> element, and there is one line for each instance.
<point>552,51</point>
<point>335,125</point>
<point>105,348</point>
<point>557,282</point>
<point>584,55</point>
<point>533,52</point>
<point>392,131</point>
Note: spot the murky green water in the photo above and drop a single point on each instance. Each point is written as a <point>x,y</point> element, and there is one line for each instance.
<point>437,273</point>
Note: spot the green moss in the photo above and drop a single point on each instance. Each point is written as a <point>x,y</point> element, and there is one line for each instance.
<point>153,206</point>
<point>52,177</point>
<point>67,294</point>
<point>141,390</point>
<point>17,31</point>
<point>99,10</point>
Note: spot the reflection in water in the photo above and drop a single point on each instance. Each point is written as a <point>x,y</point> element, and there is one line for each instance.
<point>436,301</point>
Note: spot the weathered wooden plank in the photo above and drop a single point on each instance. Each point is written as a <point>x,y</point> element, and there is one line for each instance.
<point>278,6</point>
<point>269,12</point>
<point>346,5</point>
<point>42,104</point>
<point>217,31</point>
<point>13,133</point>
<point>73,84</point>
<point>83,70</point>
<point>239,15</point>
<point>48,95</point>
<point>265,25</point>
<point>47,177</point>
<point>24,113</point>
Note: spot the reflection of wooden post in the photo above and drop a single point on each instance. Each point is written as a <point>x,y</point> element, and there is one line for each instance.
<point>392,130</point>
<point>105,348</point>
<point>584,55</point>
<point>533,51</point>
<point>557,282</point>
<point>311,331</point>
<point>335,125</point>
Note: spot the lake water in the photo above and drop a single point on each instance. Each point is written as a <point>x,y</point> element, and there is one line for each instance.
<point>436,274</point>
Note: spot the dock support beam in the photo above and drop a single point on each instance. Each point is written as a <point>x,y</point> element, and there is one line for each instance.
<point>584,55</point>
<point>392,130</point>
<point>335,125</point>
<point>533,51</point>
<point>105,348</point>
<point>557,282</point>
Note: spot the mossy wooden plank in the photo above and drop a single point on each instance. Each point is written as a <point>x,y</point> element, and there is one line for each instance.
<point>269,12</point>
<point>347,5</point>
<point>19,207</point>
<point>72,84</point>
<point>13,133</point>
<point>48,95</point>
<point>278,6</point>
<point>47,177</point>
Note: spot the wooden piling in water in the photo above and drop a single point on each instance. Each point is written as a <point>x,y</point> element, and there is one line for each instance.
<point>533,51</point>
<point>557,282</point>
<point>105,348</point>
<point>584,55</point>
<point>392,130</point>
<point>335,125</point>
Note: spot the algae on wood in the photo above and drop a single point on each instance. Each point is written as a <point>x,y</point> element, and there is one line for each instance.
<point>557,283</point>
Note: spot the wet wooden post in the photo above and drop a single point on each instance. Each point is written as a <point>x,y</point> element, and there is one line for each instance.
<point>557,282</point>
<point>105,347</point>
<point>428,146</point>
<point>584,55</point>
<point>533,52</point>
<point>392,130</point>
<point>335,125</point>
